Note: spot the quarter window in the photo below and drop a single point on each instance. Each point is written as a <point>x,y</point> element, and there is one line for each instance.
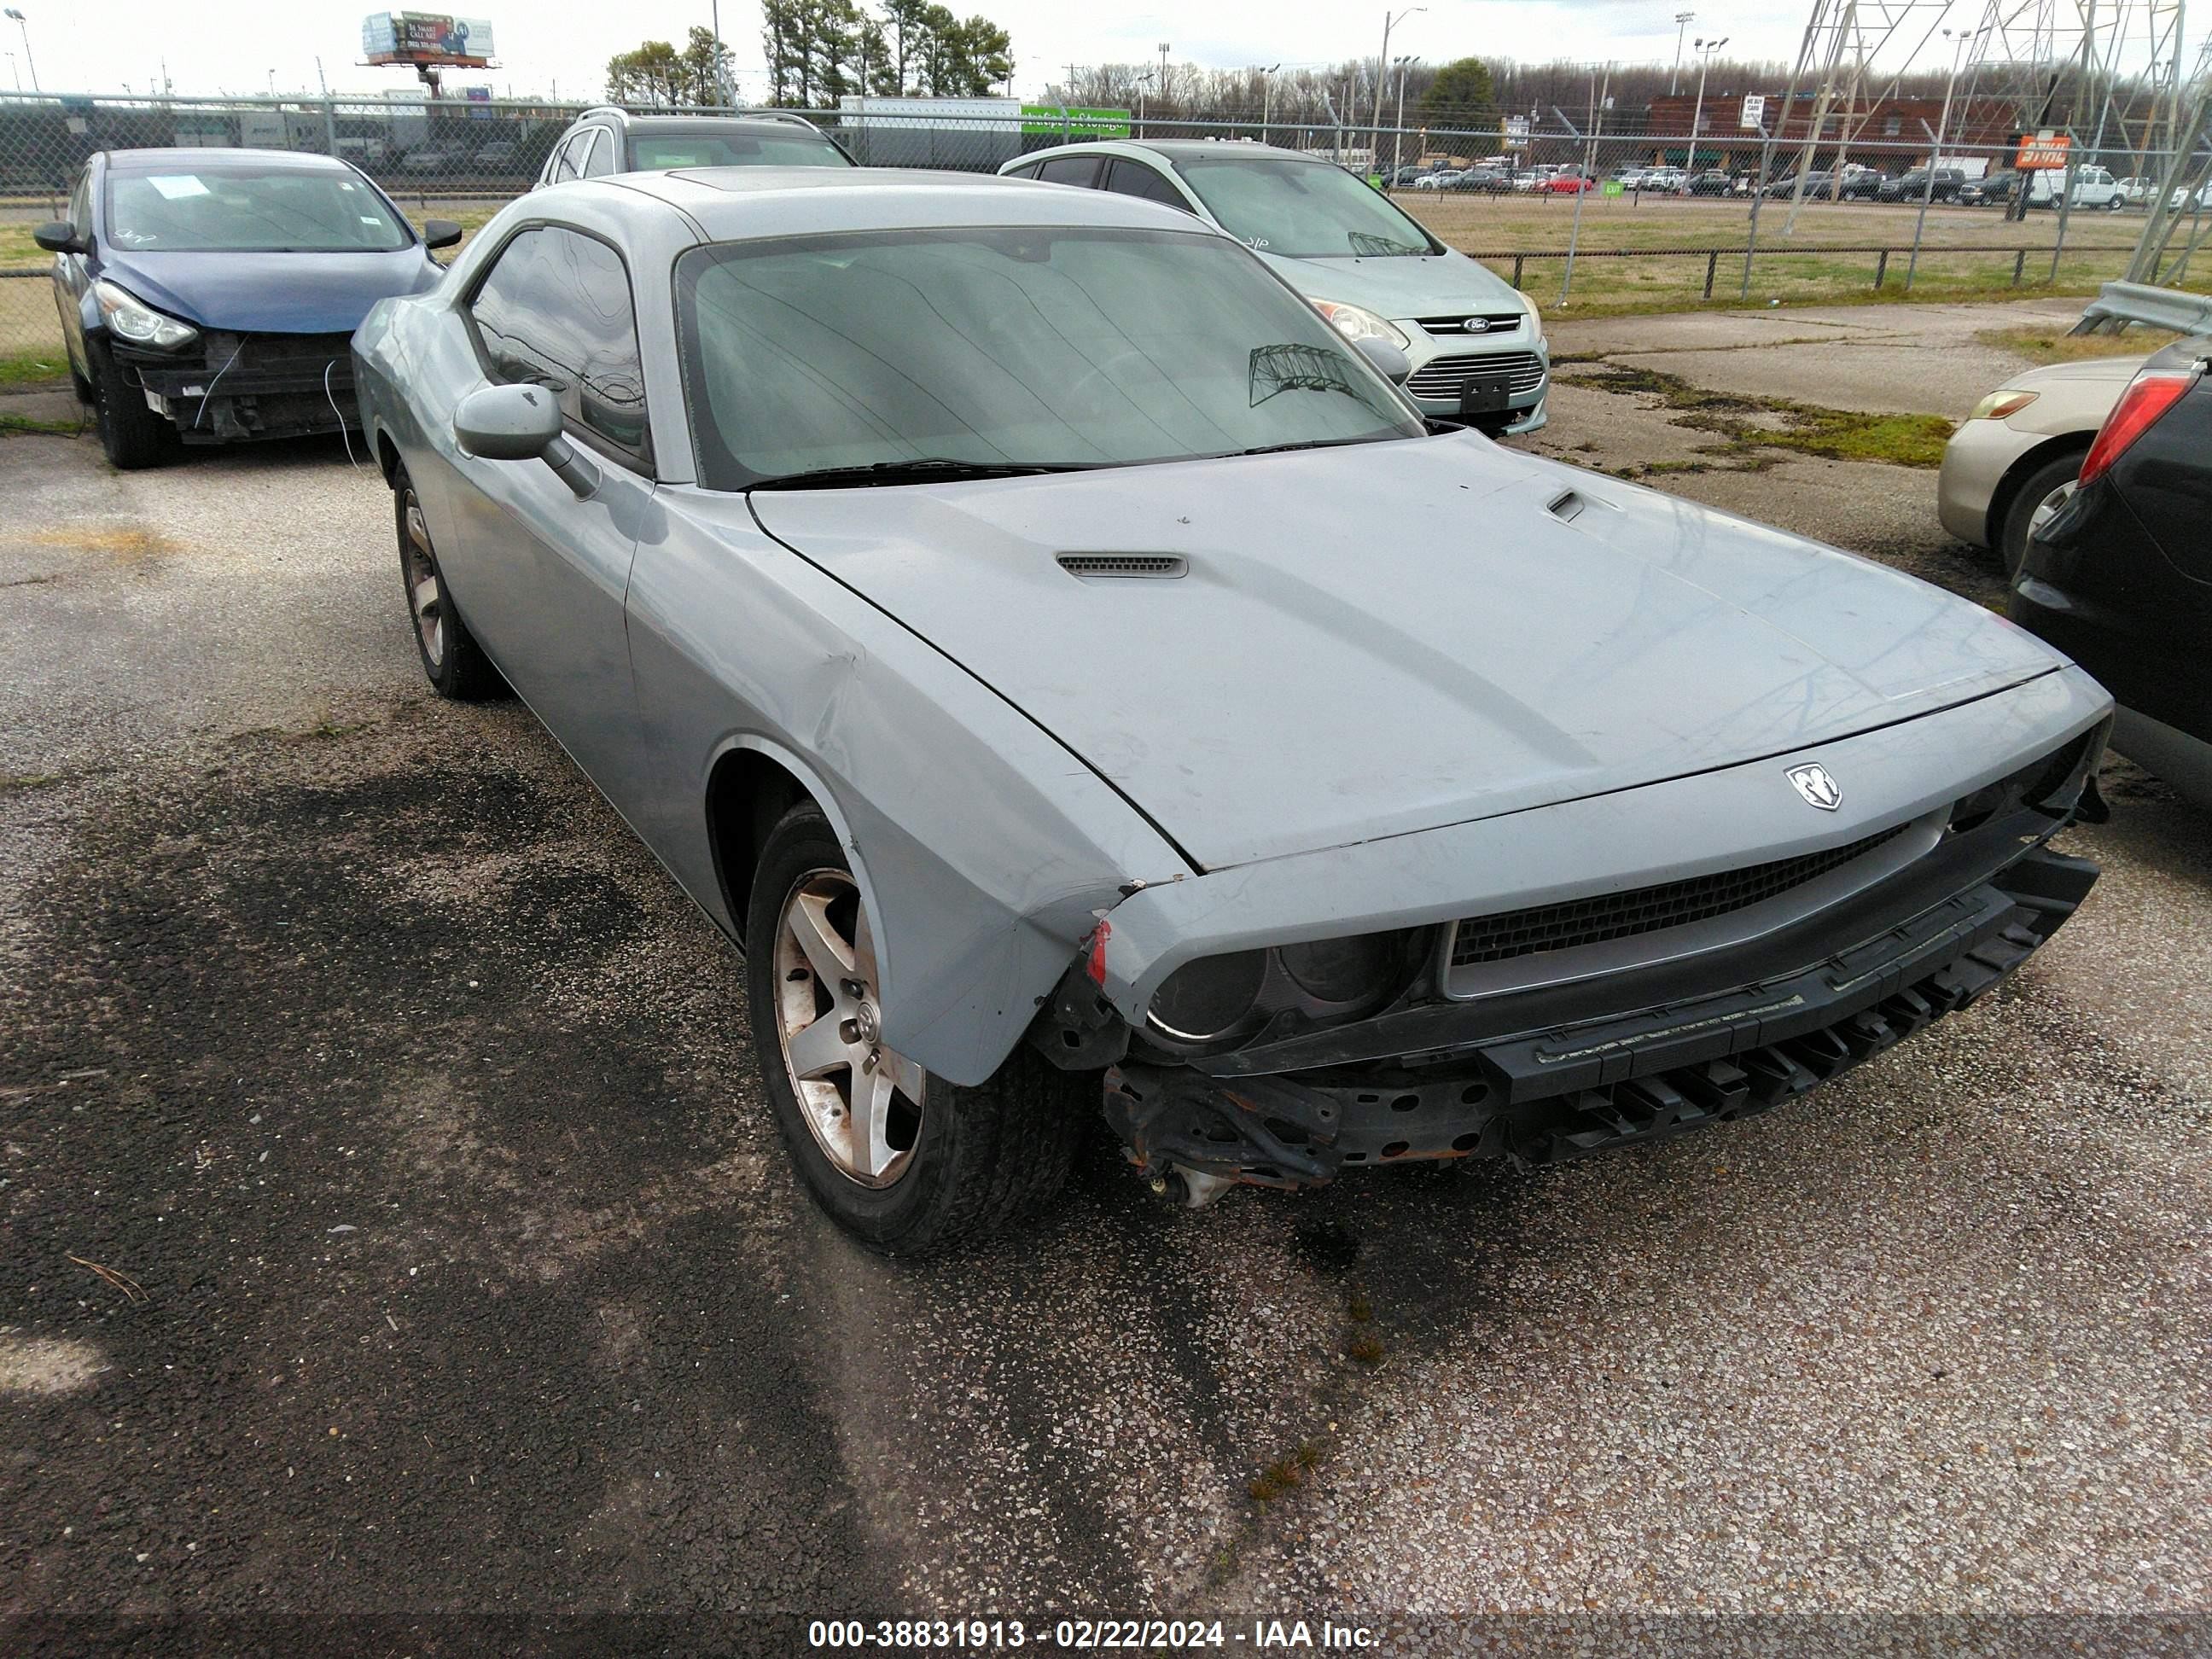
<point>1135,178</point>
<point>555,311</point>
<point>1070,170</point>
<point>601,160</point>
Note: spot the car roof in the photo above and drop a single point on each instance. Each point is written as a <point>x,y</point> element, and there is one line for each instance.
<point>209,160</point>
<point>652,124</point>
<point>1175,149</point>
<point>728,203</point>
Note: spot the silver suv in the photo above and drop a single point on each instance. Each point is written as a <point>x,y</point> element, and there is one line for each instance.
<point>610,140</point>
<point>1476,344</point>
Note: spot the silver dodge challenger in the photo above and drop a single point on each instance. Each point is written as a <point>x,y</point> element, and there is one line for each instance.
<point>1081,681</point>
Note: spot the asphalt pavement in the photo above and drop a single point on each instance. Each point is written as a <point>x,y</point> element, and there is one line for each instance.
<point>390,1220</point>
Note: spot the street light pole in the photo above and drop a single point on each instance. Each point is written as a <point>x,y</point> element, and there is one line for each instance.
<point>1682,21</point>
<point>1267,98</point>
<point>1382,78</point>
<point>1936,160</point>
<point>1398,132</point>
<point>1705,49</point>
<point>30,62</point>
<point>1164,71</point>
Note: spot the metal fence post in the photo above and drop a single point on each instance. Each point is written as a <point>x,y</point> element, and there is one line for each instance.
<point>2019,265</point>
<point>2065,204</point>
<point>1880,268</point>
<point>1757,195</point>
<point>1517,258</point>
<point>1712,264</point>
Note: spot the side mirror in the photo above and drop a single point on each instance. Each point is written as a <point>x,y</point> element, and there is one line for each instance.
<point>57,237</point>
<point>440,233</point>
<point>521,423</point>
<point>1386,360</point>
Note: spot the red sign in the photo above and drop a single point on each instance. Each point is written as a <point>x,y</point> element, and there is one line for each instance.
<point>2045,151</point>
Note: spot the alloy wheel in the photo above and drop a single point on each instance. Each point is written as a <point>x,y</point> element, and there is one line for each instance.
<point>2047,508</point>
<point>423,598</point>
<point>861,1101</point>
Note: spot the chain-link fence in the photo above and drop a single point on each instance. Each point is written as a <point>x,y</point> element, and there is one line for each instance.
<point>1620,219</point>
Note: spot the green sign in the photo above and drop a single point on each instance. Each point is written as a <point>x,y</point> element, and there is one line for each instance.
<point>1046,118</point>
<point>1611,187</point>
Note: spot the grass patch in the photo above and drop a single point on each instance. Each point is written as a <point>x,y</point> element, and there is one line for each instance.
<point>31,423</point>
<point>2043,345</point>
<point>34,367</point>
<point>1285,1473</point>
<point>1841,434</point>
<point>18,782</point>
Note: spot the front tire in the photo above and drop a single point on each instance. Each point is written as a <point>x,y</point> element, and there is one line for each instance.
<point>907,1163</point>
<point>132,436</point>
<point>452,660</point>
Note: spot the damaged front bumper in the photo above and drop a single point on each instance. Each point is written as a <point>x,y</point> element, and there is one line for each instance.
<point>1675,1049</point>
<point>245,386</point>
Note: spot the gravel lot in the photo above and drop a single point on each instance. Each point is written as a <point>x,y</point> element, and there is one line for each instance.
<point>389,1220</point>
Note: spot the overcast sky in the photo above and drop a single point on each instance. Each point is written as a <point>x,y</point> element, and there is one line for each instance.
<point>98,45</point>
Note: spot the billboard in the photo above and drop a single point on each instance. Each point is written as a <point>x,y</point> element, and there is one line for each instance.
<point>2046,150</point>
<point>425,37</point>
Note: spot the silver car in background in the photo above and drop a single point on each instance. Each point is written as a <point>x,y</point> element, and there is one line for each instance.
<point>1083,685</point>
<point>1476,344</point>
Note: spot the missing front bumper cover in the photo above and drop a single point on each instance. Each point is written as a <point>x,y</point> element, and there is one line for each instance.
<point>1539,1097</point>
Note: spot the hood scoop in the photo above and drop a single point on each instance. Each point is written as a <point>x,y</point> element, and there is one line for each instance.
<point>1124,567</point>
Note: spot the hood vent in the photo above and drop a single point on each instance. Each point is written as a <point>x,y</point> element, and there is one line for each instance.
<point>1124,567</point>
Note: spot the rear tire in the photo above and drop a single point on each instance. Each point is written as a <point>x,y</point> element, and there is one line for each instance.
<point>452,660</point>
<point>957,1165</point>
<point>2047,487</point>
<point>132,436</point>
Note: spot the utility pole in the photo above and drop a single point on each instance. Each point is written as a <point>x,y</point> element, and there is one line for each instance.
<point>1267,98</point>
<point>722,95</point>
<point>1164,71</point>
<point>1936,160</point>
<point>1682,21</point>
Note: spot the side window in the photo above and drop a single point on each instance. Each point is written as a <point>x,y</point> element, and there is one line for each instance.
<point>80,211</point>
<point>601,161</point>
<point>555,311</point>
<point>563,167</point>
<point>1135,178</point>
<point>1020,173</point>
<point>1070,170</point>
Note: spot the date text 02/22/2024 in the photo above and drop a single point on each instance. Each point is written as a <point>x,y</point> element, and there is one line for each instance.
<point>1088,1635</point>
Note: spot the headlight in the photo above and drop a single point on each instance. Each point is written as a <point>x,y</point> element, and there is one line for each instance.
<point>1210,997</point>
<point>2000,403</point>
<point>1358,323</point>
<point>1224,1000</point>
<point>128,319</point>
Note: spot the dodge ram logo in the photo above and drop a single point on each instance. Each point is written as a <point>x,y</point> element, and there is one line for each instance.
<point>1817,787</point>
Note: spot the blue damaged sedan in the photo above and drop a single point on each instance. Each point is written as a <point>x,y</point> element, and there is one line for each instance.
<point>1085,686</point>
<point>208,296</point>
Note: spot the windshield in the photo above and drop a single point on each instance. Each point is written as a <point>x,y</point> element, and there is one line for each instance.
<point>1066,346</point>
<point>659,151</point>
<point>1300,209</point>
<point>233,211</point>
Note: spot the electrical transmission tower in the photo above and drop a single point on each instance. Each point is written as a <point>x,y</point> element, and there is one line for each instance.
<point>2184,182</point>
<point>1849,60</point>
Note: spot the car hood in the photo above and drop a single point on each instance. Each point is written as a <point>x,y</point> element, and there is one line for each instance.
<point>1408,285</point>
<point>1378,639</point>
<point>2089,371</point>
<point>271,292</point>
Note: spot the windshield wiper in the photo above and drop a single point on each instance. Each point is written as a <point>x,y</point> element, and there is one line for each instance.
<point>1314,443</point>
<point>935,469</point>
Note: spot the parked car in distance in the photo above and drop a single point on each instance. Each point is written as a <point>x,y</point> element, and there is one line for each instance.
<point>208,296</point>
<point>501,156</point>
<point>1819,187</point>
<point>2012,463</point>
<point>1662,181</point>
<point>430,160</point>
<point>1860,183</point>
<point>2121,578</point>
<point>1440,180</point>
<point>1476,345</point>
<point>1992,188</point>
<point>1630,177</point>
<point>1914,185</point>
<point>2089,187</point>
<point>1483,181</point>
<point>1567,182</point>
<point>1530,814</point>
<point>2138,192</point>
<point>610,140</point>
<point>1712,182</point>
<point>1529,180</point>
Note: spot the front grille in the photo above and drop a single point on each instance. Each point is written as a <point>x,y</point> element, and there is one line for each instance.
<point>1443,377</point>
<point>1502,322</point>
<point>1644,910</point>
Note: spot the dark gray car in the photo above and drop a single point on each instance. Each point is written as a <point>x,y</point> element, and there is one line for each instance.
<point>1081,682</point>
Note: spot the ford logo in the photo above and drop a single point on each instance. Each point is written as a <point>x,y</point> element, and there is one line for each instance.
<point>1476,325</point>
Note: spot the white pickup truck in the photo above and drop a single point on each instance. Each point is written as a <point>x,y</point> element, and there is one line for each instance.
<point>2091,187</point>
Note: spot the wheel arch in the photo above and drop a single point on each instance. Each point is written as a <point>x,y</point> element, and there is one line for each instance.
<point>2001,498</point>
<point>387,455</point>
<point>752,782</point>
